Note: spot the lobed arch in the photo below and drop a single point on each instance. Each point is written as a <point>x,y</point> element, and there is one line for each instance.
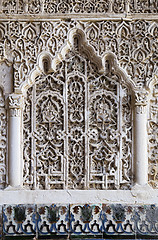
<point>85,48</point>
<point>106,66</point>
<point>47,65</point>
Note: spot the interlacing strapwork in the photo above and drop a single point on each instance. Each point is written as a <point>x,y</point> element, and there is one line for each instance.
<point>47,7</point>
<point>78,127</point>
<point>153,139</point>
<point>3,140</point>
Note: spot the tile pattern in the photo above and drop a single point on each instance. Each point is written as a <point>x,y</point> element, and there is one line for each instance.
<point>19,219</point>
<point>85,219</point>
<point>88,219</point>
<point>1,222</point>
<point>53,219</point>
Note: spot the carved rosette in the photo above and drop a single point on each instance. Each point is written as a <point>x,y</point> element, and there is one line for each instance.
<point>15,105</point>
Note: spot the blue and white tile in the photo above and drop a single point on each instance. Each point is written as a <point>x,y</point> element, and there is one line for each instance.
<point>53,218</point>
<point>85,219</point>
<point>19,219</point>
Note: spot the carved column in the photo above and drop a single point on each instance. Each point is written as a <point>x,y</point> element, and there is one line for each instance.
<point>15,164</point>
<point>140,138</point>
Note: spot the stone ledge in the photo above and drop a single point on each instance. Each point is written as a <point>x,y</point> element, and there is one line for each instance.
<point>85,16</point>
<point>135,196</point>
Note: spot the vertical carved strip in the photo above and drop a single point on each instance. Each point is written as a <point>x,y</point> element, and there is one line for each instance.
<point>3,140</point>
<point>66,129</point>
<point>86,133</point>
<point>76,131</point>
<point>28,151</point>
<point>120,143</point>
<point>33,137</point>
<point>126,138</point>
<point>153,139</point>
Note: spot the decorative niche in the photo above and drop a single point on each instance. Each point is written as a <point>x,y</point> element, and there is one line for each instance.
<point>77,121</point>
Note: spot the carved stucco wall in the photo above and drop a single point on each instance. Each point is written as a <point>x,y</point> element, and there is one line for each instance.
<point>78,111</point>
<point>80,135</point>
<point>133,43</point>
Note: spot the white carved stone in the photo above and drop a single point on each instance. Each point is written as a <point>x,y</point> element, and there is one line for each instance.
<point>140,138</point>
<point>153,138</point>
<point>15,163</point>
<point>47,7</point>
<point>61,63</point>
<point>78,121</point>
<point>3,140</point>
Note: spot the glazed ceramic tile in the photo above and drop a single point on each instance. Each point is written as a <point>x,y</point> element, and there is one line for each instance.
<point>53,219</point>
<point>129,219</point>
<point>145,219</point>
<point>19,219</point>
<point>116,219</point>
<point>1,224</point>
<point>85,219</point>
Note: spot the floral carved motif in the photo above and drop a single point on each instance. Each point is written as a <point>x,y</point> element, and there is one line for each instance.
<point>153,139</point>
<point>136,47</point>
<point>15,105</point>
<point>61,7</point>
<point>141,101</point>
<point>76,134</point>
<point>134,44</point>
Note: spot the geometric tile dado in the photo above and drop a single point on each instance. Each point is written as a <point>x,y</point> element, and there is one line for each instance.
<point>1,223</point>
<point>80,220</point>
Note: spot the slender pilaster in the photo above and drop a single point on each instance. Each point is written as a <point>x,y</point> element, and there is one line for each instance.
<point>15,165</point>
<point>140,138</point>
